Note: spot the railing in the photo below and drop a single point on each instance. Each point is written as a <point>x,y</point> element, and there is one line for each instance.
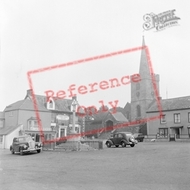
<point>180,136</point>
<point>170,137</point>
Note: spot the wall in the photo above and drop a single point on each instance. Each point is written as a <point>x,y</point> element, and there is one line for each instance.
<point>2,123</point>
<point>3,142</point>
<point>11,120</point>
<point>45,117</point>
<point>9,138</point>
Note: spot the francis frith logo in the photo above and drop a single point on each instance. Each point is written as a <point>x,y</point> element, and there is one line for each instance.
<point>160,21</point>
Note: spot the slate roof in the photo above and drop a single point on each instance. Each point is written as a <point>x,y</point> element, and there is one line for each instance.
<point>127,107</point>
<point>172,104</point>
<point>60,104</point>
<point>100,116</point>
<point>7,130</point>
<point>25,104</point>
<point>2,115</point>
<point>119,109</point>
<point>118,116</point>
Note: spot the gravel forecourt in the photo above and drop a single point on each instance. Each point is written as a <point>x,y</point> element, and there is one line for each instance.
<point>149,165</point>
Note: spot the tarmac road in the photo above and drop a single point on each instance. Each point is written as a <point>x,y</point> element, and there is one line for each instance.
<point>154,166</point>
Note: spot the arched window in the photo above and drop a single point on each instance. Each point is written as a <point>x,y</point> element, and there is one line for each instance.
<point>138,111</point>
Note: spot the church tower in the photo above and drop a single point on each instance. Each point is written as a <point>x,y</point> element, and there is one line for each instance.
<point>142,92</point>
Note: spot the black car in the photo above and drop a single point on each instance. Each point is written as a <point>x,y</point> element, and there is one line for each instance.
<point>24,144</point>
<point>121,138</point>
<point>139,137</point>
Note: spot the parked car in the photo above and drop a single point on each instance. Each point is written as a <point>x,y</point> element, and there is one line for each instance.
<point>139,137</point>
<point>25,144</point>
<point>121,138</point>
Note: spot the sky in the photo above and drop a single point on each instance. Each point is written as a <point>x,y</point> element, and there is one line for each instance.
<point>37,34</point>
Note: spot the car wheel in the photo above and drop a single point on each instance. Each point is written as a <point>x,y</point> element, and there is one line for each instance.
<point>21,152</point>
<point>38,151</point>
<point>132,145</point>
<point>12,151</point>
<point>108,144</point>
<point>117,146</point>
<point>123,144</point>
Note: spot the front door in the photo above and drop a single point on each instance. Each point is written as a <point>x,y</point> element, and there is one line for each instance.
<point>62,132</point>
<point>177,132</point>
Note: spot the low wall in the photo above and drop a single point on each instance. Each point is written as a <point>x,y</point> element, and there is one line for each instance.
<point>182,140</point>
<point>157,140</point>
<point>96,144</point>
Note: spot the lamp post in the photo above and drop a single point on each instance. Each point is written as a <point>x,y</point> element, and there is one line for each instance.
<point>74,104</point>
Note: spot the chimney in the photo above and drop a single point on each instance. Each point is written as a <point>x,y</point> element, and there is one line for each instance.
<point>159,98</point>
<point>29,92</point>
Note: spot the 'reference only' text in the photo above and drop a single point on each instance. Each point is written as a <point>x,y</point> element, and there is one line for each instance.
<point>73,90</point>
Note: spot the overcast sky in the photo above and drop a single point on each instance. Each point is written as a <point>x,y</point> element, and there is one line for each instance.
<point>37,34</point>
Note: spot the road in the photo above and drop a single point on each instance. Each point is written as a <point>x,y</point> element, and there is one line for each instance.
<point>153,165</point>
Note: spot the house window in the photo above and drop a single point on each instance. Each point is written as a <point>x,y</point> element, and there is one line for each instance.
<point>189,117</point>
<point>51,104</point>
<point>29,124</point>
<point>1,139</point>
<point>35,123</point>
<point>163,119</point>
<point>188,131</point>
<point>32,124</point>
<point>177,118</point>
<point>10,113</point>
<point>163,132</point>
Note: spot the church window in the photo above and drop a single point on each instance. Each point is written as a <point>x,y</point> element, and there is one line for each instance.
<point>138,111</point>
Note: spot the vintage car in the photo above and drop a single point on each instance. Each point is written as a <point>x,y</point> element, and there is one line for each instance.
<point>139,137</point>
<point>25,144</point>
<point>121,138</point>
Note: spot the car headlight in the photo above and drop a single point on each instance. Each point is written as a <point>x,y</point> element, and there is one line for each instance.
<point>25,146</point>
<point>39,144</point>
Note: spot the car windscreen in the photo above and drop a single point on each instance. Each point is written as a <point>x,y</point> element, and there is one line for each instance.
<point>22,139</point>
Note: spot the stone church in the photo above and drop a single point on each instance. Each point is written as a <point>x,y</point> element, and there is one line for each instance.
<point>143,93</point>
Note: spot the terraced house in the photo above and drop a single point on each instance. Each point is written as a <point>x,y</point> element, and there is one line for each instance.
<point>174,123</point>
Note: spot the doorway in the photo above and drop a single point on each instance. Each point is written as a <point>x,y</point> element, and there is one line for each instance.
<point>109,125</point>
